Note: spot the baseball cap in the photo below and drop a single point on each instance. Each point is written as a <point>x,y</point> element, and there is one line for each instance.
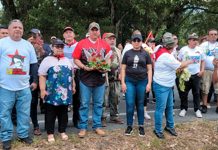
<point>193,36</point>
<point>35,31</point>
<point>68,28</point>
<point>110,35</point>
<point>3,27</point>
<point>136,36</point>
<point>58,42</point>
<point>94,25</point>
<point>168,39</point>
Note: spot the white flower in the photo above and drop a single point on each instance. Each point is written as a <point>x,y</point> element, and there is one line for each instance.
<point>57,68</point>
<point>55,76</point>
<point>69,78</point>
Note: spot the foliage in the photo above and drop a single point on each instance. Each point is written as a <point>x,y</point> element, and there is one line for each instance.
<point>121,17</point>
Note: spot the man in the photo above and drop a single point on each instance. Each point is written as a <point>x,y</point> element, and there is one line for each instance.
<point>209,50</point>
<point>194,53</point>
<point>3,31</point>
<point>91,81</point>
<point>113,89</point>
<point>69,47</point>
<point>18,58</point>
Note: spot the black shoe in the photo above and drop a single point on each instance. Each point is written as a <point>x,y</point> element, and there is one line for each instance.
<point>128,130</point>
<point>6,145</point>
<point>216,109</point>
<point>26,140</point>
<point>159,135</point>
<point>203,109</point>
<point>141,131</point>
<point>171,131</point>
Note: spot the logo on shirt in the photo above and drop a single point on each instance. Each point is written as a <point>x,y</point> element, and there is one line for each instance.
<point>16,66</point>
<point>135,61</point>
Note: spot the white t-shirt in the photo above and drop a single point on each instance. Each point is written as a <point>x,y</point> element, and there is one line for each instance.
<point>208,49</point>
<point>15,60</point>
<point>127,47</point>
<point>165,70</point>
<point>195,54</point>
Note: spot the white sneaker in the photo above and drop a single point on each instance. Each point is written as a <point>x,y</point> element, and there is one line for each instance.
<point>182,113</point>
<point>208,106</point>
<point>147,116</point>
<point>198,114</point>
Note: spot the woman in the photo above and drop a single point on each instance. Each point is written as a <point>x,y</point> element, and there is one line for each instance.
<point>56,86</point>
<point>136,76</point>
<point>164,79</point>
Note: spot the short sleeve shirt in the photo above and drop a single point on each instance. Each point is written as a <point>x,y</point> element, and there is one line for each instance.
<point>59,75</point>
<point>165,70</point>
<point>196,55</point>
<point>136,63</point>
<point>90,78</point>
<point>15,60</point>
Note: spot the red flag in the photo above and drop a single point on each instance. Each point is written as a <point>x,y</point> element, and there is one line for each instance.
<point>150,35</point>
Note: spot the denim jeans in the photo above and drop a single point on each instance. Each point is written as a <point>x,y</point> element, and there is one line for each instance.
<point>135,94</point>
<point>7,101</point>
<point>97,94</point>
<point>164,102</point>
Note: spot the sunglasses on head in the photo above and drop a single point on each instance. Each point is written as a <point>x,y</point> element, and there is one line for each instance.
<point>59,46</point>
<point>136,40</point>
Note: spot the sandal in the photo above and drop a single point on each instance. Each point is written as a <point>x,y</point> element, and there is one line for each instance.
<point>51,138</point>
<point>64,136</point>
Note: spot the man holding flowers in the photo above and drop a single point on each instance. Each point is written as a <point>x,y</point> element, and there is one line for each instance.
<point>92,56</point>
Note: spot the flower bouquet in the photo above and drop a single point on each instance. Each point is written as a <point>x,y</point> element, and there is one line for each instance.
<point>183,77</point>
<point>97,60</point>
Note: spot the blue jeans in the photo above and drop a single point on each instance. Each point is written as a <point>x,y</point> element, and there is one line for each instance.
<point>135,94</point>
<point>22,99</point>
<point>164,102</point>
<point>97,94</point>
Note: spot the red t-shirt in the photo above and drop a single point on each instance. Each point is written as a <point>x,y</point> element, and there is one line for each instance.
<point>90,78</point>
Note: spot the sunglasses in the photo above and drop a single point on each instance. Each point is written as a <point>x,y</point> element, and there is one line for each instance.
<point>136,40</point>
<point>94,29</point>
<point>59,46</point>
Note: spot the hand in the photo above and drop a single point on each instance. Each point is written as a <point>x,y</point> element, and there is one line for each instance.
<point>200,74</point>
<point>215,62</point>
<point>33,86</point>
<point>148,88</point>
<point>87,68</point>
<point>74,90</point>
<point>123,86</point>
<point>103,71</point>
<point>43,93</point>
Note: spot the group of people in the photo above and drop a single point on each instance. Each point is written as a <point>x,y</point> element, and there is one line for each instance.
<point>60,75</point>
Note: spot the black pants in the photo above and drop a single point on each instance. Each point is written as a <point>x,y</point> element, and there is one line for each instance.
<point>194,84</point>
<point>76,100</point>
<point>51,112</point>
<point>33,110</point>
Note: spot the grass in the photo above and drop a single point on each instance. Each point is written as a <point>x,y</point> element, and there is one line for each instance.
<point>197,135</point>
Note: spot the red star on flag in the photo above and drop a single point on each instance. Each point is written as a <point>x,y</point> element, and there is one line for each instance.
<point>16,55</point>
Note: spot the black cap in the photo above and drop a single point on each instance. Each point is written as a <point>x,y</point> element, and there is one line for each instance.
<point>136,36</point>
<point>58,42</point>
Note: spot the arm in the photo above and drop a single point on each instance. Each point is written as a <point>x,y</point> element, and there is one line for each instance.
<point>123,74</point>
<point>73,86</point>
<point>200,74</point>
<point>81,65</point>
<point>33,74</point>
<point>149,68</point>
<point>215,72</point>
<point>42,85</point>
<point>184,64</point>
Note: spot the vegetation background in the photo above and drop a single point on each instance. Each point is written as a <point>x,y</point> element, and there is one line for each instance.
<point>119,16</point>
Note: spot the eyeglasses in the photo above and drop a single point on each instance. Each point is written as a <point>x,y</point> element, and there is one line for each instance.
<point>59,46</point>
<point>136,40</point>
